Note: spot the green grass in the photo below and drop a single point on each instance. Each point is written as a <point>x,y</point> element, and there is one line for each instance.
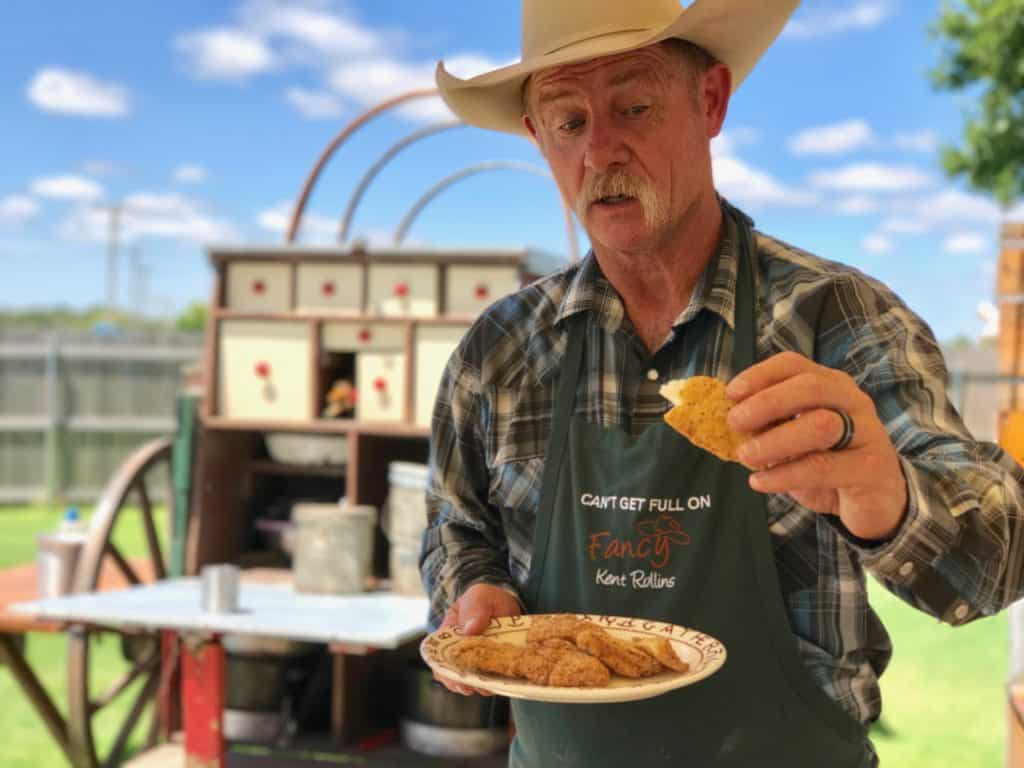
<point>943,694</point>
<point>25,742</point>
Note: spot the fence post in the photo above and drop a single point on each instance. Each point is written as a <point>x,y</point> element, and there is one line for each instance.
<point>54,424</point>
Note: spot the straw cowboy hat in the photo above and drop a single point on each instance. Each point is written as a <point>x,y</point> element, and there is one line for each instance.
<point>556,32</point>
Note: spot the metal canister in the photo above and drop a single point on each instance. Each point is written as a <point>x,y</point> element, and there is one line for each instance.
<point>333,549</point>
<point>56,560</point>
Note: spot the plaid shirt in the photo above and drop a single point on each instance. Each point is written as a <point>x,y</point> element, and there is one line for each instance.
<point>957,556</point>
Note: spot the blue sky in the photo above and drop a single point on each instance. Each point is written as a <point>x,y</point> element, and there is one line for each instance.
<point>204,117</point>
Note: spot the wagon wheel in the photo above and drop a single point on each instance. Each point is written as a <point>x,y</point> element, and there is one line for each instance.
<point>94,704</point>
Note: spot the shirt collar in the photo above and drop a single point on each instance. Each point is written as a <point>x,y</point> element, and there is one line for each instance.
<point>590,291</point>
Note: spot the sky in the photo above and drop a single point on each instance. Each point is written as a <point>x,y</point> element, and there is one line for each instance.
<point>201,119</point>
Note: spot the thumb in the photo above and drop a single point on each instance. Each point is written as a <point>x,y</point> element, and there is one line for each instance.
<point>474,625</point>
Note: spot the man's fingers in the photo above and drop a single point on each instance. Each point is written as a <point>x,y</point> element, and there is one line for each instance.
<point>767,373</point>
<point>797,396</point>
<point>817,471</point>
<point>814,431</point>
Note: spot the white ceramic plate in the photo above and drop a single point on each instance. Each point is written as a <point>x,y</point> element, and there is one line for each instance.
<point>703,653</point>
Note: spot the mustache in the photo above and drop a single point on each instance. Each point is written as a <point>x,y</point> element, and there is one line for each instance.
<point>621,183</point>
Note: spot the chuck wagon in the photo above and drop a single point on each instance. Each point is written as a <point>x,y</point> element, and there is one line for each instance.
<point>320,368</point>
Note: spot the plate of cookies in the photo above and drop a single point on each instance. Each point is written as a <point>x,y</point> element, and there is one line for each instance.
<point>574,658</point>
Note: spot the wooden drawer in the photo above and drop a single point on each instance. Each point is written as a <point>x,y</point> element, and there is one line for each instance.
<point>380,381</point>
<point>356,337</point>
<point>330,288</point>
<point>434,344</point>
<point>471,289</point>
<point>256,286</point>
<point>264,370</point>
<point>407,290</point>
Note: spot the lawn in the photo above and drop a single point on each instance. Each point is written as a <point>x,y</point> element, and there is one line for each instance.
<point>26,743</point>
<point>943,694</point>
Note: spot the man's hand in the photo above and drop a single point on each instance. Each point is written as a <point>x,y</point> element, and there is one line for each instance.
<point>471,613</point>
<point>784,401</point>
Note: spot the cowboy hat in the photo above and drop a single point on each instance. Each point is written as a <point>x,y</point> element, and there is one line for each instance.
<point>557,32</point>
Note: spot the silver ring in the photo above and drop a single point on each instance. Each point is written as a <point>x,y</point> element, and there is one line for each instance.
<point>847,436</point>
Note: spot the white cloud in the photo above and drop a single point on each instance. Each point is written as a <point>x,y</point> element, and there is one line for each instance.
<point>921,141</point>
<point>146,214</point>
<point>965,242</point>
<point>865,14</point>
<point>314,105</point>
<point>738,181</point>
<point>877,244</point>
<point>17,209</point>
<point>948,208</point>
<point>988,313</point>
<point>905,225</point>
<point>872,177</point>
<point>67,188</point>
<point>66,92</point>
<point>314,228</point>
<point>309,26</point>
<point>834,139</point>
<point>190,173</point>
<point>225,53</point>
<point>728,141</point>
<point>856,205</point>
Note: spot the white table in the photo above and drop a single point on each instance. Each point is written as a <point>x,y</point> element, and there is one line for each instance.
<point>371,619</point>
<point>351,625</point>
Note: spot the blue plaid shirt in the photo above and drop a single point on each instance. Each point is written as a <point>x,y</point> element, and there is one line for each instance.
<point>957,556</point>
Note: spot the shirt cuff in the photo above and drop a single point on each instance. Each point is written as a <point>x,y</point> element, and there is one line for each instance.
<point>927,534</point>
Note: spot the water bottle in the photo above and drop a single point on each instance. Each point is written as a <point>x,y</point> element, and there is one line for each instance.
<point>72,525</point>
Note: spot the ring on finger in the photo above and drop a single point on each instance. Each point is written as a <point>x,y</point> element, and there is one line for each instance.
<point>848,430</point>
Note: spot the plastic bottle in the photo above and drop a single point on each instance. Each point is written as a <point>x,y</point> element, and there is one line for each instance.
<point>72,525</point>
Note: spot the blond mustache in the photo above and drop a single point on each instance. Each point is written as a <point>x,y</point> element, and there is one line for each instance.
<point>622,184</point>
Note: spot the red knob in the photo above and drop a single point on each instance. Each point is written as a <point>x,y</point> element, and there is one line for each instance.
<point>258,286</point>
<point>262,369</point>
<point>328,288</point>
<point>401,289</point>
<point>380,384</point>
<point>365,335</point>
<point>482,291</point>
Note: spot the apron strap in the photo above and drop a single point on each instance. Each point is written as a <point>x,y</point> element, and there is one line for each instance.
<point>568,379</point>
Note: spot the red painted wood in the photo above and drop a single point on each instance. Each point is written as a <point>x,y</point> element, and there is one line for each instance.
<point>202,695</point>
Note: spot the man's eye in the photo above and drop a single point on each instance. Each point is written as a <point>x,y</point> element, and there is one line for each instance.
<point>637,109</point>
<point>571,125</point>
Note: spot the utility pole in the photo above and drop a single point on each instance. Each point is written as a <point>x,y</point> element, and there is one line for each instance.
<point>113,237</point>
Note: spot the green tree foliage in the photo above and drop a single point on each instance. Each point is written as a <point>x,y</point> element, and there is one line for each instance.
<point>983,54</point>
<point>193,318</point>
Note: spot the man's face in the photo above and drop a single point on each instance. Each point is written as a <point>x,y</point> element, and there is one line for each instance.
<point>628,141</point>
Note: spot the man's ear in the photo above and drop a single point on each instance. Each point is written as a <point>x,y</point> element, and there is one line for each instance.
<point>531,130</point>
<point>716,84</point>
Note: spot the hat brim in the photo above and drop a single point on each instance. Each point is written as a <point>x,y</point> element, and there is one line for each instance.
<point>736,32</point>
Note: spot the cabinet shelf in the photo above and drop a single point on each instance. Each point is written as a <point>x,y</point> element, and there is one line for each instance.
<point>318,426</point>
<point>269,467</point>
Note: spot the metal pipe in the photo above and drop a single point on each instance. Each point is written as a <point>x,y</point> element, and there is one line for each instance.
<point>489,165</point>
<point>370,175</point>
<point>338,140</point>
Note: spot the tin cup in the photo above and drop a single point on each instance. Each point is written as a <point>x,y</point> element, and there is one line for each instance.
<point>220,588</point>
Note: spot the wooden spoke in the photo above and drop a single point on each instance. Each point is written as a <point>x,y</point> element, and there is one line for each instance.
<point>144,697</point>
<point>126,680</point>
<point>123,565</point>
<point>149,526</point>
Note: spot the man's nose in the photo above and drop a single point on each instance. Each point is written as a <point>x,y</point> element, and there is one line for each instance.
<point>605,148</point>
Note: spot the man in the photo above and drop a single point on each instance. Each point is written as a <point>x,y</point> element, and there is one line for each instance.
<point>858,461</point>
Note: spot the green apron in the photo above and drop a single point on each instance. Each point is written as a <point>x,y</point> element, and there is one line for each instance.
<point>708,564</point>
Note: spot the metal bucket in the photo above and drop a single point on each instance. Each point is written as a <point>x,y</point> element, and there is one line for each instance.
<point>333,550</point>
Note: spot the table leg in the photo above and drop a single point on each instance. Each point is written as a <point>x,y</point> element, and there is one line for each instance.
<point>202,701</point>
<point>37,695</point>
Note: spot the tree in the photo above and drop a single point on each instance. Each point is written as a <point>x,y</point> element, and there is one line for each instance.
<point>193,318</point>
<point>984,50</point>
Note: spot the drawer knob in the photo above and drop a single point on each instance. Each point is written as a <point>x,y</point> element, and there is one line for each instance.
<point>482,291</point>
<point>259,287</point>
<point>380,384</point>
<point>262,369</point>
<point>401,289</point>
<point>365,335</point>
<point>328,288</point>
